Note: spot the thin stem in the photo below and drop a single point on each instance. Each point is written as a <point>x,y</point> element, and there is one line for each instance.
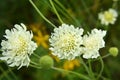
<point>102,77</point>
<point>33,63</point>
<point>115,4</point>
<point>36,55</point>
<point>63,8</point>
<point>88,11</point>
<point>86,8</point>
<point>85,66</point>
<point>90,69</point>
<point>35,66</point>
<point>78,74</point>
<point>102,67</point>
<point>41,13</point>
<point>106,56</point>
<point>102,57</point>
<point>51,2</point>
<point>13,74</point>
<point>4,73</point>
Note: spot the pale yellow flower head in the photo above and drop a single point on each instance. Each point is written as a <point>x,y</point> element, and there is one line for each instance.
<point>65,42</point>
<point>92,43</point>
<point>108,17</point>
<point>18,46</point>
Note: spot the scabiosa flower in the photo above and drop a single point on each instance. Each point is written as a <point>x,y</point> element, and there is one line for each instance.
<point>92,43</point>
<point>108,17</point>
<point>18,46</point>
<point>65,42</point>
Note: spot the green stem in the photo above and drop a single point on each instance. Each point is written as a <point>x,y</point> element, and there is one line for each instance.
<point>33,63</point>
<point>102,67</point>
<point>51,2</point>
<point>84,5</point>
<point>88,11</point>
<point>41,13</point>
<point>85,66</point>
<point>13,74</point>
<point>78,74</point>
<point>36,55</point>
<point>4,74</point>
<point>115,4</point>
<point>106,56</point>
<point>37,67</point>
<point>102,57</point>
<point>90,69</point>
<point>102,77</point>
<point>63,8</point>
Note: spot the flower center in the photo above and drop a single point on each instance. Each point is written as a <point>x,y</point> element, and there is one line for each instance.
<point>21,45</point>
<point>91,43</point>
<point>108,16</point>
<point>68,43</point>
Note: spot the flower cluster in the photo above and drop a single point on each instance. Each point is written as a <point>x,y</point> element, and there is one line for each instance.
<point>67,42</point>
<point>18,46</point>
<point>108,17</point>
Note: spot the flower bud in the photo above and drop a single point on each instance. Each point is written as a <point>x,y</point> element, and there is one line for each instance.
<point>113,51</point>
<point>46,62</point>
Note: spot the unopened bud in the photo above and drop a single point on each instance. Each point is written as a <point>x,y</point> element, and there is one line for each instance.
<point>46,62</point>
<point>113,51</point>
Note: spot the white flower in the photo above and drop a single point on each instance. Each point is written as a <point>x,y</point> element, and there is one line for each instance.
<point>18,46</point>
<point>92,43</point>
<point>65,42</point>
<point>108,17</point>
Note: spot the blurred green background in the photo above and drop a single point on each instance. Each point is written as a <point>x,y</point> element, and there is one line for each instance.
<point>81,13</point>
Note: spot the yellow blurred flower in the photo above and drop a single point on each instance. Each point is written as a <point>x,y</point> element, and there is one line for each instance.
<point>70,65</point>
<point>41,39</point>
<point>41,36</point>
<point>55,57</point>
